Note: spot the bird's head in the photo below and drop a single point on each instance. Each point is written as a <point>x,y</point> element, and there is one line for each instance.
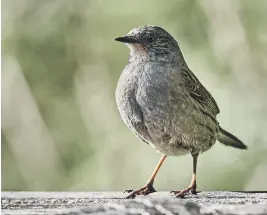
<point>151,43</point>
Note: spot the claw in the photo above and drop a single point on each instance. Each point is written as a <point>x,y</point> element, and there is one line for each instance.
<point>174,192</point>
<point>193,191</point>
<point>147,189</point>
<point>128,191</point>
<point>181,194</point>
<point>131,196</point>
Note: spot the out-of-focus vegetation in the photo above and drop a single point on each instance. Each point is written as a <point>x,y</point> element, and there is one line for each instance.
<point>60,126</point>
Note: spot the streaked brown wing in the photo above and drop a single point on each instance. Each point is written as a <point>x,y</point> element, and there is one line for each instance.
<point>198,92</point>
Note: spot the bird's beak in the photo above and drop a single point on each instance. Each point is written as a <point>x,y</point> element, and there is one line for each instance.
<point>127,39</point>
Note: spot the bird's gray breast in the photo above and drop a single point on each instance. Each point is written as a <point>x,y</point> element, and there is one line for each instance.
<point>127,104</point>
<point>152,91</point>
<point>157,88</point>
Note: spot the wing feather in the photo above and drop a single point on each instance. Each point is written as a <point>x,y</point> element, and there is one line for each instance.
<point>198,92</point>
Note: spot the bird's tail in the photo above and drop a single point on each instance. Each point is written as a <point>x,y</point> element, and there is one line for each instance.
<point>230,140</point>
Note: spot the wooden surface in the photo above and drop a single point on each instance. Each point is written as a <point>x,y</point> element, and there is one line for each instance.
<point>115,203</point>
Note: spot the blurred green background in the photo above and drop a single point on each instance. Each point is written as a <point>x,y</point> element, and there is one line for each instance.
<point>60,64</point>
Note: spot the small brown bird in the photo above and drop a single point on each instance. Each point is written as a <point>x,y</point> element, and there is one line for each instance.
<point>164,104</point>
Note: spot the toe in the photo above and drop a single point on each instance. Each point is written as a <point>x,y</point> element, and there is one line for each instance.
<point>175,192</point>
<point>193,191</point>
<point>131,196</point>
<point>142,191</point>
<point>128,191</point>
<point>180,196</point>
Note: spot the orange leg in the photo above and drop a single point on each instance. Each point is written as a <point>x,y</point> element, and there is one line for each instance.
<point>148,188</point>
<point>193,184</point>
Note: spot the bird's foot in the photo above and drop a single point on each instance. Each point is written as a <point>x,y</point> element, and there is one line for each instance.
<point>145,190</point>
<point>181,194</point>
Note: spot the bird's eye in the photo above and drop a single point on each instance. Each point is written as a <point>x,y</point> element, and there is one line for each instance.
<point>150,38</point>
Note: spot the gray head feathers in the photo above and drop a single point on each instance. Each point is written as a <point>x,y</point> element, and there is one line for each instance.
<point>151,43</point>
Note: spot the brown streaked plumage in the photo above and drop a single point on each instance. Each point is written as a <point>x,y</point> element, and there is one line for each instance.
<point>164,104</point>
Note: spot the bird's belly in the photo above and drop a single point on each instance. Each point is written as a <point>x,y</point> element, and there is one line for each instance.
<point>167,149</point>
<point>179,130</point>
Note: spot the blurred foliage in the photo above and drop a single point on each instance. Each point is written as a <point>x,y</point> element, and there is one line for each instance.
<point>61,128</point>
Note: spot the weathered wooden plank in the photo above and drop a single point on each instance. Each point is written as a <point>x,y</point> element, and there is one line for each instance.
<point>115,203</point>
